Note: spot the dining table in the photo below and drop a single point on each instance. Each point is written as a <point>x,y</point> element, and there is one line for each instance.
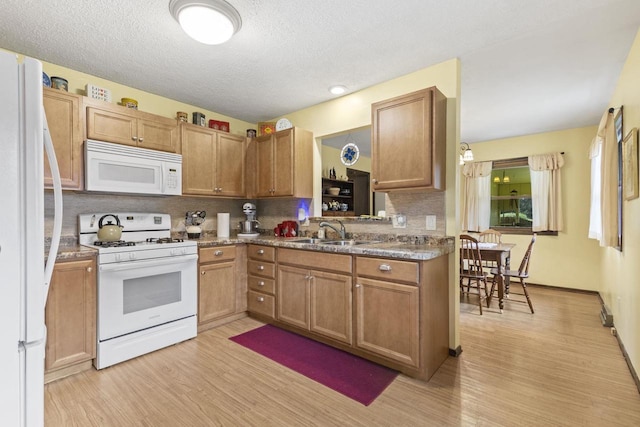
<point>501,254</point>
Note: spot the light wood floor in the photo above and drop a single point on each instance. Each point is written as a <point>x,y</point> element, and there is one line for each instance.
<point>558,367</point>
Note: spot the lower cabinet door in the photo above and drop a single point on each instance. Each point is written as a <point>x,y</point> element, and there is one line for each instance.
<point>293,296</point>
<point>330,305</point>
<point>216,291</point>
<point>387,320</point>
<point>70,314</point>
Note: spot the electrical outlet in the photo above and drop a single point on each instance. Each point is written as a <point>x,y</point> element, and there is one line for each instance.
<point>399,221</point>
<point>430,222</point>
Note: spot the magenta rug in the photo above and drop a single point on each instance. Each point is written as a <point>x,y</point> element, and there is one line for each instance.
<point>353,376</point>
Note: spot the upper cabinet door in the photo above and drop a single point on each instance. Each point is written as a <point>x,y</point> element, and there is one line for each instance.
<point>158,133</point>
<point>283,152</point>
<point>198,156</point>
<point>409,142</point>
<point>230,165</point>
<point>110,126</point>
<point>65,125</point>
<point>264,166</point>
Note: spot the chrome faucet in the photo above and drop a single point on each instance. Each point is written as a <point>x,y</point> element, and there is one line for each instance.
<point>342,232</point>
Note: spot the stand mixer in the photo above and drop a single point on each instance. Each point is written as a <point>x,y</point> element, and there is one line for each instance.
<point>249,227</point>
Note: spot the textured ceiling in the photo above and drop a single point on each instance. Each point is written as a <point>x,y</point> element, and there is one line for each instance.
<point>527,66</point>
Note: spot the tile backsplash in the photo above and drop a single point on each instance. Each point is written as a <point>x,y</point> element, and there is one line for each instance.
<point>269,212</point>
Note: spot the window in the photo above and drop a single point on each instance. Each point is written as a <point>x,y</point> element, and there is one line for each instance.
<point>511,204</point>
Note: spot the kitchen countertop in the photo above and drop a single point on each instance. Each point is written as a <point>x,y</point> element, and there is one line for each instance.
<point>424,250</point>
<point>392,249</point>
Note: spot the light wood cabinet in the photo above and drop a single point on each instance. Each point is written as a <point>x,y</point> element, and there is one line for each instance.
<point>120,125</point>
<point>414,297</point>
<point>70,316</point>
<point>312,299</point>
<point>63,111</point>
<point>213,162</point>
<point>282,164</point>
<point>409,142</point>
<point>261,270</point>
<point>220,292</point>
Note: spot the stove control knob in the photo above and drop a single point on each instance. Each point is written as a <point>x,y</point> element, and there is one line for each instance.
<point>132,256</point>
<point>118,258</point>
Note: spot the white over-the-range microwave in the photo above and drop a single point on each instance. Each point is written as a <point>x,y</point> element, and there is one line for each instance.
<point>117,168</point>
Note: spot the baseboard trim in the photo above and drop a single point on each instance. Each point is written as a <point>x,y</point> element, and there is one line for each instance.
<point>560,288</point>
<point>455,352</point>
<point>632,370</point>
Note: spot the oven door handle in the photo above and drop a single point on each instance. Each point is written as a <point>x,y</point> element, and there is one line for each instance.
<point>121,266</point>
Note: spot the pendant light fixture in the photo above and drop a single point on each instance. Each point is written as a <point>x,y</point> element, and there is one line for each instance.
<point>207,21</point>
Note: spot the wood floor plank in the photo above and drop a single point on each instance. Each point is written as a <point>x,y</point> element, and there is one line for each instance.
<point>557,367</point>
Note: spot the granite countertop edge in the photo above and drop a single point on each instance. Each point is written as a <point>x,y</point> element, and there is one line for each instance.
<point>433,248</point>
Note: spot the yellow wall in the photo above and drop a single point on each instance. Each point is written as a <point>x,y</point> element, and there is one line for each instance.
<point>570,259</point>
<point>619,275</point>
<point>146,101</point>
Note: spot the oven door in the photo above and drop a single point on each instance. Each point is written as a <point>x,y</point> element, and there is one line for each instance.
<point>137,295</point>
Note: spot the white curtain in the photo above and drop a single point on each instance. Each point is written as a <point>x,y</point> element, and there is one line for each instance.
<point>603,216</point>
<point>546,191</point>
<point>476,212</point>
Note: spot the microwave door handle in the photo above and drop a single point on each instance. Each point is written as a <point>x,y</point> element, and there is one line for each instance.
<point>147,263</point>
<point>162,178</point>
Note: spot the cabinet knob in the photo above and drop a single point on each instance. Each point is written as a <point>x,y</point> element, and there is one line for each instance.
<point>384,267</point>
<point>219,189</point>
<point>202,272</point>
<point>135,138</point>
<point>89,269</point>
<point>261,283</point>
<point>218,253</point>
<point>260,251</point>
<point>358,285</point>
<point>260,267</point>
<point>375,181</point>
<point>260,299</point>
<point>140,139</point>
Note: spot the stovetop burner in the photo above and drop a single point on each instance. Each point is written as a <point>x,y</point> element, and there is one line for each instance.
<point>116,244</point>
<point>164,240</point>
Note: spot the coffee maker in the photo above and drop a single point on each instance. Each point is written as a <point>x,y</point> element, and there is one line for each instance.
<point>249,227</point>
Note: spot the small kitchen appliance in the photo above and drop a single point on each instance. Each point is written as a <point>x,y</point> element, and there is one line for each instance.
<point>249,227</point>
<point>147,286</point>
<point>193,221</point>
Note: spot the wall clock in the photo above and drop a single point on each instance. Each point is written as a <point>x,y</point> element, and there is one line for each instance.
<point>283,124</point>
<point>350,154</point>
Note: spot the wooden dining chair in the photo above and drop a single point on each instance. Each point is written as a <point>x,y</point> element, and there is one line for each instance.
<point>471,270</point>
<point>521,273</point>
<point>490,236</point>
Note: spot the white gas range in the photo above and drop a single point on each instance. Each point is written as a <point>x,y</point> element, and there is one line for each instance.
<point>147,286</point>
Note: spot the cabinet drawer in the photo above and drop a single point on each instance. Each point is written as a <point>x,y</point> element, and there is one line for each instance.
<point>266,253</point>
<point>259,268</point>
<point>220,253</point>
<point>261,284</point>
<point>315,260</point>
<point>388,269</point>
<point>261,303</point>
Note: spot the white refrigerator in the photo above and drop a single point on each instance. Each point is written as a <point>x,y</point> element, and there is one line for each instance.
<point>24,279</point>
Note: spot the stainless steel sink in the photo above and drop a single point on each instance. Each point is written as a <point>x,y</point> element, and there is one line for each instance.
<point>347,242</point>
<point>314,241</point>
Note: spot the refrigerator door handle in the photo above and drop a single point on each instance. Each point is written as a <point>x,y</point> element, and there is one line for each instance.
<point>57,197</point>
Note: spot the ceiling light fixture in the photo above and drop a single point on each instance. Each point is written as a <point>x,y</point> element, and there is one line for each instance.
<point>466,155</point>
<point>207,21</point>
<point>337,89</point>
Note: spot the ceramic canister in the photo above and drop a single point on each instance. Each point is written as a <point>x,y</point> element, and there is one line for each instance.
<point>59,83</point>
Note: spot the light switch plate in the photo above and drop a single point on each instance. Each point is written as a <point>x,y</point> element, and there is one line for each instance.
<point>399,221</point>
<point>430,222</point>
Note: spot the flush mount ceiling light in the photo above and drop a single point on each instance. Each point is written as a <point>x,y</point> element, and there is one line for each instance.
<point>207,21</point>
<point>466,155</point>
<point>337,89</point>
